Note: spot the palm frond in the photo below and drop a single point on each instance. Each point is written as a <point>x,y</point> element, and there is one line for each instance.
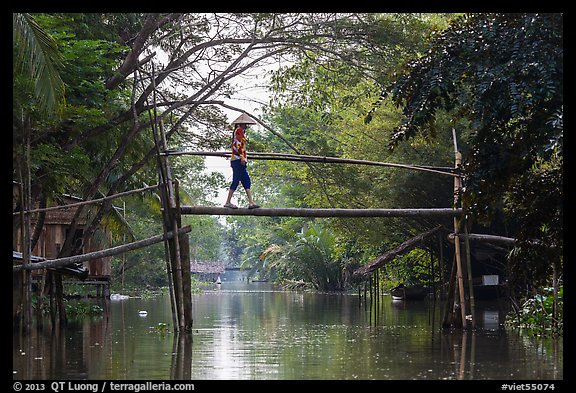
<point>37,53</point>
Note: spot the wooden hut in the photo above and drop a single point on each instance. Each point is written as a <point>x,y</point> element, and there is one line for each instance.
<point>54,232</point>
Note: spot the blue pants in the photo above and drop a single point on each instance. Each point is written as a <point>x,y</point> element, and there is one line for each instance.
<point>239,175</point>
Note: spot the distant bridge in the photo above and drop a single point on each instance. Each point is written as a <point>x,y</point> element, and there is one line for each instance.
<point>207,267</point>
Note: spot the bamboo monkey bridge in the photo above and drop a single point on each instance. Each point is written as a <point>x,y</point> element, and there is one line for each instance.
<point>332,212</point>
<point>454,212</point>
<point>175,237</point>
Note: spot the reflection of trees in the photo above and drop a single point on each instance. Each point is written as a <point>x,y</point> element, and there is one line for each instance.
<point>285,335</point>
<point>47,353</point>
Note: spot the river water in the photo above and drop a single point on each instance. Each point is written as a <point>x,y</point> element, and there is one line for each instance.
<point>252,331</point>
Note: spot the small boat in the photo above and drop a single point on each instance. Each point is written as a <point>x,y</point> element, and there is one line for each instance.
<point>402,292</point>
<point>218,281</point>
<point>142,313</point>
<point>116,296</point>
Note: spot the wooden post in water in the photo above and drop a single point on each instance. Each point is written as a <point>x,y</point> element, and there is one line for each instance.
<point>459,273</point>
<point>469,270</point>
<point>172,221</point>
<point>448,319</point>
<point>184,245</point>
<point>164,198</point>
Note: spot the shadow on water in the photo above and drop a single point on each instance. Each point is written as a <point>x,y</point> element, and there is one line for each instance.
<point>249,331</point>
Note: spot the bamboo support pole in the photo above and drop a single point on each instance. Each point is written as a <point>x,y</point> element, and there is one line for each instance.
<point>184,246</point>
<point>172,216</point>
<point>51,263</point>
<point>469,269</point>
<point>174,247</point>
<point>166,211</point>
<point>178,273</point>
<point>459,274</point>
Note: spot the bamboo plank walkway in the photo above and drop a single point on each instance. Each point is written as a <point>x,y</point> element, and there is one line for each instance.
<point>298,212</point>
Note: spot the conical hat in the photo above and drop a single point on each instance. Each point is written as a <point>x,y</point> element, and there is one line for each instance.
<point>244,119</point>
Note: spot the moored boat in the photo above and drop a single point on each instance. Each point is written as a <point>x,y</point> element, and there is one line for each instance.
<point>402,292</point>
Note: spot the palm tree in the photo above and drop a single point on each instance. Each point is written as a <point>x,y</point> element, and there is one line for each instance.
<point>36,53</point>
<point>308,258</point>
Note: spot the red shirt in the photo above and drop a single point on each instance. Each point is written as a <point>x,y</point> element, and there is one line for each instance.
<point>239,145</point>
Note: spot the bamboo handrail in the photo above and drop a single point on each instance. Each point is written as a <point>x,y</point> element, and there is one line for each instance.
<point>106,198</point>
<point>454,172</point>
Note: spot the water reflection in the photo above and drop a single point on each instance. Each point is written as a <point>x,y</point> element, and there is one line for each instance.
<point>181,366</point>
<point>78,351</point>
<point>254,331</point>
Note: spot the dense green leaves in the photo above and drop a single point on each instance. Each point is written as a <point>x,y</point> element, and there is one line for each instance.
<point>319,107</point>
<point>503,72</point>
<point>541,314</point>
<point>36,52</point>
<point>308,258</point>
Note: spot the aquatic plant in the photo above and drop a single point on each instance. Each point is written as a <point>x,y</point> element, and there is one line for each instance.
<point>78,309</point>
<point>538,316</point>
<point>161,329</point>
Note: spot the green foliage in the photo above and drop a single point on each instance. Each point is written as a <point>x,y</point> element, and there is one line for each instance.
<point>504,73</point>
<point>412,268</point>
<point>161,329</point>
<point>307,257</point>
<point>87,64</point>
<point>538,316</point>
<point>36,53</point>
<point>80,309</point>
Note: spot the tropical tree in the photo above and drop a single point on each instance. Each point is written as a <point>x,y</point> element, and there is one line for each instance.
<point>320,108</point>
<point>504,73</point>
<point>309,257</point>
<point>182,65</point>
<point>36,54</point>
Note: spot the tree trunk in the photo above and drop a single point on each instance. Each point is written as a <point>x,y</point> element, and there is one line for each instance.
<point>402,248</point>
<point>40,221</point>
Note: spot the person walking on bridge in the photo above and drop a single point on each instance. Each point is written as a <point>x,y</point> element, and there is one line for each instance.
<point>239,162</point>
